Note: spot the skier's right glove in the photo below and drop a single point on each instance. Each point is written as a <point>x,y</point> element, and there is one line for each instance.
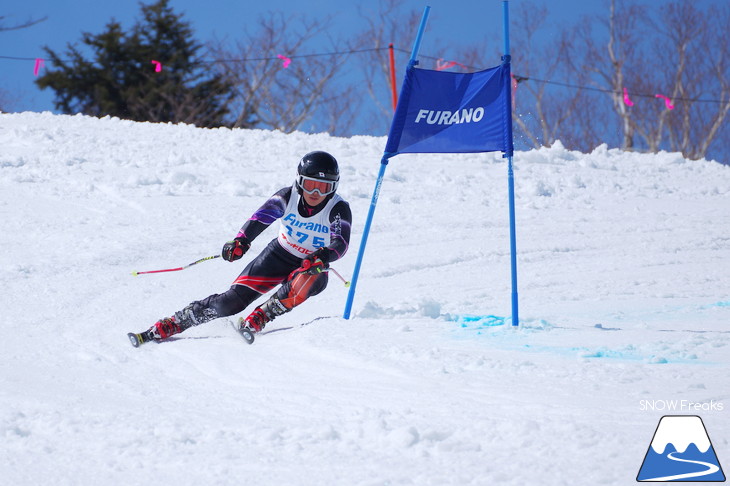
<point>234,249</point>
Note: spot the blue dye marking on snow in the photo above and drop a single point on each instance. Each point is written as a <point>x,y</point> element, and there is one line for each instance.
<point>490,322</point>
<point>473,321</point>
<point>492,327</point>
<point>716,304</point>
<point>486,324</point>
<point>582,352</point>
<point>629,353</point>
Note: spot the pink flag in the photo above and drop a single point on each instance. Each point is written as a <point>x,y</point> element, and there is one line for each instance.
<point>286,60</point>
<point>667,101</point>
<point>627,100</point>
<point>39,63</point>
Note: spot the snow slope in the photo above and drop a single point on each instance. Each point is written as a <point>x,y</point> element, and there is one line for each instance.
<point>624,300</point>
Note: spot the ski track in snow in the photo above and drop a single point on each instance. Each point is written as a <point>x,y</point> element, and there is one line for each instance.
<point>623,284</point>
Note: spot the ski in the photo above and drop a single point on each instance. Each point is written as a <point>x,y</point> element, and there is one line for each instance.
<point>138,339</point>
<point>135,339</point>
<point>248,335</point>
<point>243,331</point>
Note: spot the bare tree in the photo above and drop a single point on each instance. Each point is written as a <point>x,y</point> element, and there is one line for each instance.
<point>667,75</point>
<point>22,25</point>
<point>388,25</point>
<point>703,71</point>
<point>623,60</point>
<point>5,101</point>
<point>341,110</point>
<point>543,112</point>
<point>671,67</point>
<point>279,87</point>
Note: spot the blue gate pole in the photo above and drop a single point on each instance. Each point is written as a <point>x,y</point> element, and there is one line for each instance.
<point>364,240</point>
<point>510,177</point>
<point>513,243</point>
<point>379,182</point>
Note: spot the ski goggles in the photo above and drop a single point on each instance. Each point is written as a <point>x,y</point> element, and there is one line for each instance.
<point>311,185</point>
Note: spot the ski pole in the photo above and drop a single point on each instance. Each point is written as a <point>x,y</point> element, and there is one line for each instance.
<point>308,263</point>
<point>179,268</point>
<point>347,283</point>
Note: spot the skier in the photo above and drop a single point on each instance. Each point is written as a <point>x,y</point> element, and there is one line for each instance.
<point>314,230</point>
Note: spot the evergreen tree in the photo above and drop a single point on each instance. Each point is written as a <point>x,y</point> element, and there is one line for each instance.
<point>121,79</point>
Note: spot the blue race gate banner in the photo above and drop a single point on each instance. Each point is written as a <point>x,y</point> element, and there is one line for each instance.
<point>444,112</point>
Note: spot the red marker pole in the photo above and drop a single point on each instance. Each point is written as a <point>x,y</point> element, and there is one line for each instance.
<point>393,92</point>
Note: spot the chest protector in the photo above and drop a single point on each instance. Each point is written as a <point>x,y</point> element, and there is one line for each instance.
<point>300,235</point>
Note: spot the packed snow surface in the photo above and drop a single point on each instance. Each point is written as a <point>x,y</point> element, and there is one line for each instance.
<point>624,288</point>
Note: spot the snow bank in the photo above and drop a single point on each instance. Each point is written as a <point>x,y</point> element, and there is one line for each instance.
<point>623,289</point>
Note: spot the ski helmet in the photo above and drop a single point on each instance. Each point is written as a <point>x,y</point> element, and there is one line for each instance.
<point>318,172</point>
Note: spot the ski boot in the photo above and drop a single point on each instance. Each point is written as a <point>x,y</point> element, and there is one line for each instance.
<point>252,324</point>
<point>161,329</point>
<point>257,320</point>
<point>192,315</point>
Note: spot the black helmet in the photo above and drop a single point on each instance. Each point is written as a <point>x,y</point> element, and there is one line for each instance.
<point>321,169</point>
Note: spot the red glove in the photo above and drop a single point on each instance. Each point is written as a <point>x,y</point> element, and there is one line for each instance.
<point>314,266</point>
<point>234,249</point>
<point>317,261</point>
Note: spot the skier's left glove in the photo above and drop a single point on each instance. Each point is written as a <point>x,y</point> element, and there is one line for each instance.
<point>234,249</point>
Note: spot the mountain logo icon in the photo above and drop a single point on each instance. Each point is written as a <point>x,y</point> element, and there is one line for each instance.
<point>680,451</point>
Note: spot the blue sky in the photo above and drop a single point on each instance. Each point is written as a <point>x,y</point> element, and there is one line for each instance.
<point>457,21</point>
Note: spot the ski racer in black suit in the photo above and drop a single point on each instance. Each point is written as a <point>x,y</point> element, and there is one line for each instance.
<point>314,230</point>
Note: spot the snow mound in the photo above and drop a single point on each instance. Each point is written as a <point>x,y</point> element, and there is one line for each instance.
<point>623,288</point>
